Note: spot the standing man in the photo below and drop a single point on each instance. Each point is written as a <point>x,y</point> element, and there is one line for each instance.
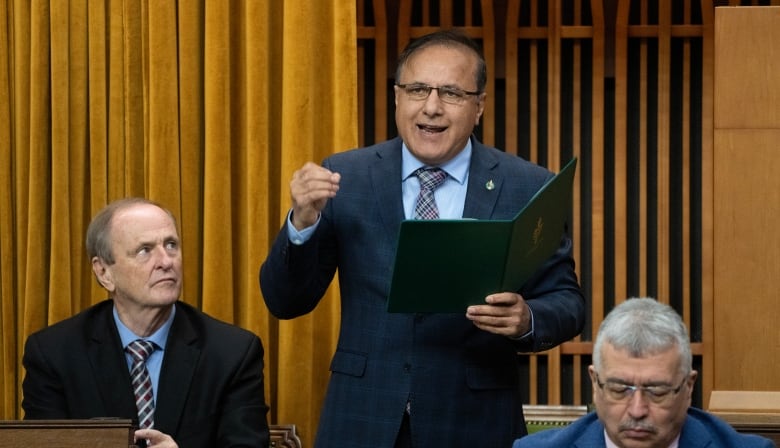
<point>419,379</point>
<point>643,377</point>
<point>186,378</point>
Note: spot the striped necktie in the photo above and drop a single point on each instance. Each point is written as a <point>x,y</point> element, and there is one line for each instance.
<point>430,179</point>
<point>142,384</point>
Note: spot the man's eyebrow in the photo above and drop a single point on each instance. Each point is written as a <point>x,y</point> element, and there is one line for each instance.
<point>645,384</point>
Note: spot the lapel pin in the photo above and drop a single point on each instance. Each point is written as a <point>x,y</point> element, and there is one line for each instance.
<point>490,185</point>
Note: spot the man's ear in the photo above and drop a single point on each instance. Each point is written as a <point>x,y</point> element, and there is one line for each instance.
<point>103,273</point>
<point>592,375</point>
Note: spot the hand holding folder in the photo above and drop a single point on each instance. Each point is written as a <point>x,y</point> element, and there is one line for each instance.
<point>466,260</point>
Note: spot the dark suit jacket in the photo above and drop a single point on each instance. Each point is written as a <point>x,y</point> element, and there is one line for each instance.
<point>210,391</point>
<point>462,382</point>
<point>699,431</point>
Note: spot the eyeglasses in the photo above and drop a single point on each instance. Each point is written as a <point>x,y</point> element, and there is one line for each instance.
<point>449,95</point>
<point>619,392</point>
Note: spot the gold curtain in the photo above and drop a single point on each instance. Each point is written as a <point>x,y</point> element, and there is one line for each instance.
<point>205,106</point>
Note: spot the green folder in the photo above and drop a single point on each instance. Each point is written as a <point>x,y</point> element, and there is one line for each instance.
<point>466,260</point>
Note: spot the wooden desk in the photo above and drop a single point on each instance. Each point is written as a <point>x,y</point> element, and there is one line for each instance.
<point>115,433</point>
<point>753,412</point>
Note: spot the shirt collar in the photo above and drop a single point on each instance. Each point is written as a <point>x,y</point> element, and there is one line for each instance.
<point>675,443</point>
<point>159,337</point>
<point>457,167</point>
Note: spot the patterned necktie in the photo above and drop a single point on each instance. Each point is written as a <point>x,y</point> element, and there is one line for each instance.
<point>142,383</point>
<point>430,179</point>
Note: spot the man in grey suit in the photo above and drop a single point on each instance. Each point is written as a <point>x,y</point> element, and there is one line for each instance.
<point>419,379</point>
<point>642,378</point>
<point>204,377</point>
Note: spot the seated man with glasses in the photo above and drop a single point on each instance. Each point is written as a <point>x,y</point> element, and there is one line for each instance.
<point>642,381</point>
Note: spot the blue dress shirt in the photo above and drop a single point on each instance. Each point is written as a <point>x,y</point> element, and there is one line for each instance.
<point>158,338</point>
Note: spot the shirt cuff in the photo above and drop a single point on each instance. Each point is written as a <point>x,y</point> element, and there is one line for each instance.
<point>299,237</point>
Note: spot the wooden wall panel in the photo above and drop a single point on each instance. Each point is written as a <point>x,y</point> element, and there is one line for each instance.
<point>660,159</point>
<point>747,266</point>
<point>372,59</point>
<point>747,68</point>
<point>746,187</point>
<point>554,63</point>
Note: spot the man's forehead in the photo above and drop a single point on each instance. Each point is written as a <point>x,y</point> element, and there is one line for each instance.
<point>143,219</point>
<point>629,360</point>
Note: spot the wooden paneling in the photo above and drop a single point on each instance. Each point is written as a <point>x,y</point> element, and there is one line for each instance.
<point>749,412</point>
<point>747,68</point>
<point>747,266</point>
<point>548,54</point>
<point>372,29</point>
<point>746,188</point>
<point>663,146</point>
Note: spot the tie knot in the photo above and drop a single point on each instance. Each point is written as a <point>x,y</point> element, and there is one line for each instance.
<point>140,349</point>
<point>430,178</point>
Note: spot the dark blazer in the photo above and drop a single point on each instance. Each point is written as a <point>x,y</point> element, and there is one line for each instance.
<point>699,431</point>
<point>463,383</point>
<point>210,391</point>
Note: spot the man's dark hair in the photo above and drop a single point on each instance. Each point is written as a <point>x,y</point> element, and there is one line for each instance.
<point>445,38</point>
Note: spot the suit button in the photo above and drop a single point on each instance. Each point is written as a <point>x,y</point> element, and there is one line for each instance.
<point>407,367</point>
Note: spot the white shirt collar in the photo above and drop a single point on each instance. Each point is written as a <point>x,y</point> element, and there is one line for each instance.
<point>457,167</point>
<point>675,443</point>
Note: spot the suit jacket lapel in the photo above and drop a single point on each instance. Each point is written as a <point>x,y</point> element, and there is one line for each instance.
<point>178,368</point>
<point>386,182</point>
<point>694,434</point>
<point>109,365</point>
<point>592,436</point>
<point>485,183</point>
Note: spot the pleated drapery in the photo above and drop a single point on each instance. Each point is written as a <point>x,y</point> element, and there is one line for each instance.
<point>204,106</point>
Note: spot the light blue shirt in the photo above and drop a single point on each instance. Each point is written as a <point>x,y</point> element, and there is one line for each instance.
<point>610,444</point>
<point>450,196</point>
<point>158,338</point>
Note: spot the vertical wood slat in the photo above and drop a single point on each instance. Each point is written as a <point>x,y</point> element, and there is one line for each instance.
<point>533,377</point>
<point>378,34</point>
<point>512,85</point>
<point>598,175</point>
<point>686,205</point>
<point>621,151</point>
<point>598,179</point>
<point>641,259</point>
<point>554,85</point>
<point>663,177</point>
<point>707,199</point>
<point>488,35</point>
<point>554,152</point>
<point>533,63</point>
<point>485,32</point>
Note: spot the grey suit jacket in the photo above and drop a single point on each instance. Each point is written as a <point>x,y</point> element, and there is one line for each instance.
<point>210,391</point>
<point>701,430</point>
<point>463,383</point>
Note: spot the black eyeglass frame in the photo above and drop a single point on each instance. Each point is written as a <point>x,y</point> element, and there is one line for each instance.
<point>460,93</point>
<point>647,391</point>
